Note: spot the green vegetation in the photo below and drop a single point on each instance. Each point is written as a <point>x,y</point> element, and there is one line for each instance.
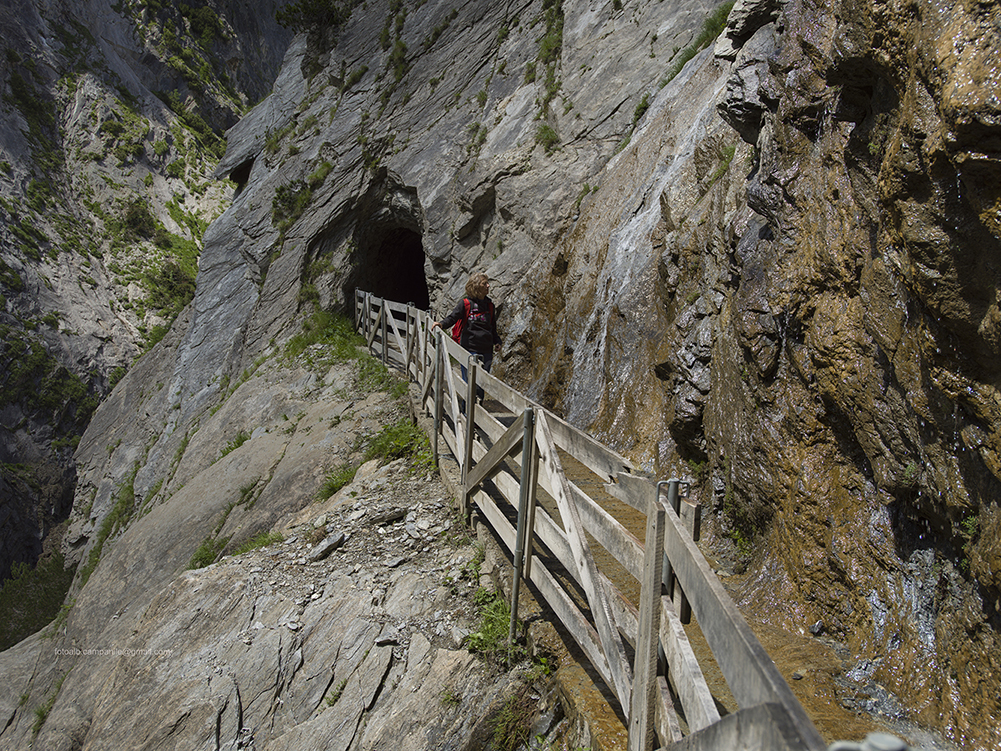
<point>167,272</point>
<point>478,137</point>
<point>334,332</point>
<point>205,24</point>
<point>213,545</point>
<point>336,693</point>
<point>712,27</point>
<point>336,479</point>
<point>207,552</point>
<point>512,724</point>
<point>42,711</point>
<point>10,278</point>
<point>641,109</point>
<point>211,143</point>
<point>311,14</point>
<point>741,524</point>
<point>127,131</point>
<point>401,440</point>
<point>490,638</point>
<point>118,519</point>
<point>241,438</point>
<point>29,375</point>
<point>726,157</point>
<point>699,470</point>
<point>39,112</point>
<point>31,598</point>
<point>356,75</point>
<point>550,48</point>
<point>260,540</point>
<point>438,30</point>
<point>547,137</point>
<point>292,200</point>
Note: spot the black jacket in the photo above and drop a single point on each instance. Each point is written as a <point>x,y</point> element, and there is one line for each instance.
<point>479,332</point>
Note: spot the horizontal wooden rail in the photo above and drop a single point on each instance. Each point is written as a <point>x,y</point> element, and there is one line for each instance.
<point>487,441</point>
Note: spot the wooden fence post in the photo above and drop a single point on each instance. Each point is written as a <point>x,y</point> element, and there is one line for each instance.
<point>439,354</point>
<point>642,713</point>
<point>467,457</point>
<point>531,460</point>
<point>691,519</point>
<point>675,502</point>
<point>526,498</point>
<point>385,332</point>
<point>407,356</point>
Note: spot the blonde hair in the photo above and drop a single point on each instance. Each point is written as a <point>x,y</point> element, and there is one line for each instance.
<point>476,287</point>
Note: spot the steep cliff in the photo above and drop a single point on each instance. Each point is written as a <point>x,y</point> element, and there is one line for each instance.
<point>112,121</point>
<point>812,331</point>
<point>773,268</point>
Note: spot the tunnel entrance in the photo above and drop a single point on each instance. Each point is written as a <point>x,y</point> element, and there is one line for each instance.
<point>391,265</point>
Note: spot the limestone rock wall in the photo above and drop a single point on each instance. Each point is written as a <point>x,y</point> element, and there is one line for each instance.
<point>810,332</point>
<point>109,115</point>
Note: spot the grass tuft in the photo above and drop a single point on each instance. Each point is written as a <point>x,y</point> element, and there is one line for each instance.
<point>260,540</point>
<point>712,27</point>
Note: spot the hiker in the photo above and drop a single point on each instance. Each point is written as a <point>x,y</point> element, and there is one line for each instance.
<point>474,322</point>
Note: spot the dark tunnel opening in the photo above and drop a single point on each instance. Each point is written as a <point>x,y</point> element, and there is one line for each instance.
<point>392,267</point>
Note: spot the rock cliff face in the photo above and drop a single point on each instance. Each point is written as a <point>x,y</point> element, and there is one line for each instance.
<point>774,269</point>
<point>109,121</point>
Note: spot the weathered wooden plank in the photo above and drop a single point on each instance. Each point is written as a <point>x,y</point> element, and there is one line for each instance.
<point>683,670</point>
<point>359,304</point>
<point>601,525</point>
<point>454,349</point>
<point>611,642</point>
<point>571,617</point>
<point>497,453</point>
<point>668,727</point>
<point>632,489</point>
<point>376,329</point>
<point>507,396</point>
<point>568,612</point>
<point>453,401</point>
<point>645,693</point>
<point>609,533</point>
<point>493,514</point>
<point>426,359</point>
<point>408,358</point>
<point>400,343</point>
<point>449,436</point>
<point>591,453</point>
<point>397,307</point>
<point>532,503</point>
<point>690,519</point>
<point>426,389</point>
<point>470,433</point>
<point>749,671</point>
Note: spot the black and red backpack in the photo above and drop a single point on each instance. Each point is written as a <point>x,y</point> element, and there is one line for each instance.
<point>460,324</point>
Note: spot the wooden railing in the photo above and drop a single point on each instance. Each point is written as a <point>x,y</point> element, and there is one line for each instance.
<point>511,452</point>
